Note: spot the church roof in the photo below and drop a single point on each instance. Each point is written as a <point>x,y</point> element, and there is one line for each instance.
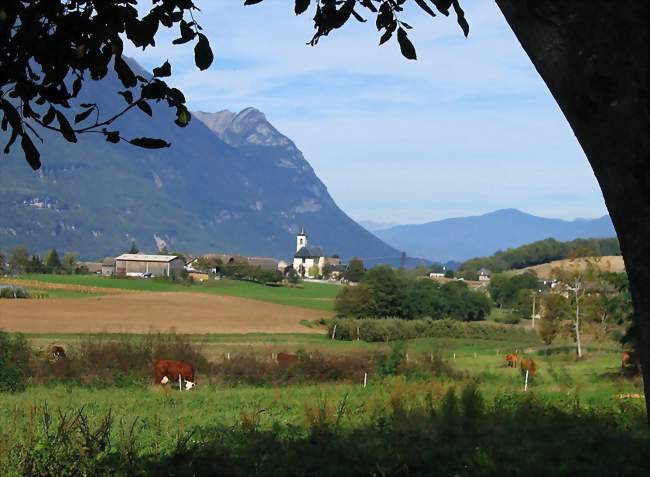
<point>311,252</point>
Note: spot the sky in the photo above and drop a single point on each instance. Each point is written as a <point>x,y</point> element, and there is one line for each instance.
<point>466,129</point>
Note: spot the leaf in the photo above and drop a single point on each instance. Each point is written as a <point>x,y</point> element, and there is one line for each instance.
<point>423,5</point>
<point>443,6</point>
<point>127,95</point>
<point>358,17</point>
<point>49,116</point>
<point>12,139</point>
<point>385,37</point>
<point>149,143</point>
<point>408,50</point>
<point>163,71</point>
<point>31,153</point>
<point>66,129</point>
<point>203,56</point>
<point>144,106</point>
<point>183,118</point>
<point>124,72</point>
<point>76,86</point>
<point>251,2</point>
<point>81,116</point>
<point>301,6</point>
<point>112,136</point>
<point>460,18</point>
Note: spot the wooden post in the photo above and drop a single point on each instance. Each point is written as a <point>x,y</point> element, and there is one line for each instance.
<point>228,356</point>
<point>180,381</point>
<point>454,355</point>
<point>358,334</point>
<point>431,357</point>
<point>334,332</point>
<point>526,382</point>
<point>407,357</point>
<point>365,379</point>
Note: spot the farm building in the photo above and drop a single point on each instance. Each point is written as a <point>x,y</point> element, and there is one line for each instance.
<point>108,267</point>
<point>138,265</point>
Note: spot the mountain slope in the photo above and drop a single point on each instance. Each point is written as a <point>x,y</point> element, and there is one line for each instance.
<point>200,195</point>
<point>467,237</point>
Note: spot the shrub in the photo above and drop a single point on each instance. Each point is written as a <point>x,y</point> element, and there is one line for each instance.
<point>14,292</point>
<point>393,329</point>
<point>15,354</point>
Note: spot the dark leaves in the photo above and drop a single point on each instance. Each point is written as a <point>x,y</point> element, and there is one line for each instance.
<point>251,2</point>
<point>423,5</point>
<point>149,143</point>
<point>112,136</point>
<point>127,95</point>
<point>83,115</point>
<point>32,155</point>
<point>443,6</point>
<point>49,116</point>
<point>203,56</point>
<point>163,71</point>
<point>405,45</point>
<point>301,6</point>
<point>144,106</point>
<point>460,17</point>
<point>183,118</point>
<point>124,72</point>
<point>64,126</point>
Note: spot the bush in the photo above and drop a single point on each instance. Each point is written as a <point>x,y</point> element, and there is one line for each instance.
<point>14,292</point>
<point>393,329</point>
<point>15,354</point>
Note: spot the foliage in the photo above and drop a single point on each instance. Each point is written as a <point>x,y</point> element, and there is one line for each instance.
<point>69,262</point>
<point>555,310</point>
<point>314,271</point>
<point>355,271</point>
<point>387,290</point>
<point>19,259</point>
<point>504,289</point>
<point>393,329</point>
<point>14,292</point>
<point>354,301</point>
<point>542,251</point>
<point>52,262</point>
<point>15,353</point>
<point>49,50</point>
<point>133,249</point>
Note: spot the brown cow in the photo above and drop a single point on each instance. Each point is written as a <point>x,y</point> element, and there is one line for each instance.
<point>511,360</point>
<point>57,352</point>
<point>629,361</point>
<point>529,364</point>
<point>286,359</point>
<point>166,370</point>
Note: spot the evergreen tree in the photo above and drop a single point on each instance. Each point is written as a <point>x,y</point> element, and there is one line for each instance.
<point>52,262</point>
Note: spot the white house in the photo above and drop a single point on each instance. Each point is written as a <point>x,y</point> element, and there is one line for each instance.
<point>484,274</point>
<point>306,257</point>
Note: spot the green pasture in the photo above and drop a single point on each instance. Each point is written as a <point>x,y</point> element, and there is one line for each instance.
<point>318,296</point>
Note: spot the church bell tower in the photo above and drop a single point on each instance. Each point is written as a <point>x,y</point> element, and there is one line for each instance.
<point>301,239</point>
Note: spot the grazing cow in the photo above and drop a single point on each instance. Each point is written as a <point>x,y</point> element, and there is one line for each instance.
<point>511,360</point>
<point>529,364</point>
<point>57,352</point>
<point>286,359</point>
<point>166,370</point>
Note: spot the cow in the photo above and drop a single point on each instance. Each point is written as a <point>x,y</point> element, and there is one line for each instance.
<point>166,370</point>
<point>528,364</point>
<point>629,361</point>
<point>286,359</point>
<point>57,352</point>
<point>511,360</point>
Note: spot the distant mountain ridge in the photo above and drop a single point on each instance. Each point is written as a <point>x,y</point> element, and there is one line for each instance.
<point>463,238</point>
<point>230,182</point>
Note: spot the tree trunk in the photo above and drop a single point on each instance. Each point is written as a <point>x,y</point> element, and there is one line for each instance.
<point>593,56</point>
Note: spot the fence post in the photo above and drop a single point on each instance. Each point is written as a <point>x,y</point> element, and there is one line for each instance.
<point>365,379</point>
<point>454,355</point>
<point>228,356</point>
<point>180,381</point>
<point>334,332</point>
<point>526,382</point>
<point>358,334</point>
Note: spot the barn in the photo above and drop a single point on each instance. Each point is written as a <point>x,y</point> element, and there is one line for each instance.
<point>139,265</point>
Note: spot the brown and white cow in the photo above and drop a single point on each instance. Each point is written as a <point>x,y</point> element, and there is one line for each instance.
<point>57,352</point>
<point>528,364</point>
<point>511,360</point>
<point>286,359</point>
<point>166,370</point>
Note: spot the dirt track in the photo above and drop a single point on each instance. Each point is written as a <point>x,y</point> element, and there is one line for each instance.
<point>147,312</point>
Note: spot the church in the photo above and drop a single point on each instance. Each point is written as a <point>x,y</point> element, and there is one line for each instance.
<point>306,257</point>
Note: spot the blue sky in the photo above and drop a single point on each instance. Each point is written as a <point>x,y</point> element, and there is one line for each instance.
<point>466,129</point>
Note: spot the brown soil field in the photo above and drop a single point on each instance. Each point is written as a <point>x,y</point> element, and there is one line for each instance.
<point>611,263</point>
<point>64,286</point>
<point>154,312</point>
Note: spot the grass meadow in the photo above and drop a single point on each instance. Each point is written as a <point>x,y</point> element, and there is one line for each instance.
<point>317,296</point>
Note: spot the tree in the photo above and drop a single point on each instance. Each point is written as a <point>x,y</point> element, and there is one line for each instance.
<point>388,292</point>
<point>69,262</point>
<point>164,250</point>
<point>49,49</point>
<point>2,260</point>
<point>134,248</point>
<point>424,299</point>
<point>354,301</point>
<point>555,310</point>
<point>327,271</point>
<point>449,273</point>
<point>355,271</point>
<point>314,271</point>
<point>52,262</point>
<point>293,277</point>
<point>19,259</point>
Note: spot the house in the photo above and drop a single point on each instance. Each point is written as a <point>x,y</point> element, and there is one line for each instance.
<point>306,257</point>
<point>92,267</point>
<point>436,275</point>
<point>484,274</point>
<point>264,263</point>
<point>108,267</point>
<point>139,265</point>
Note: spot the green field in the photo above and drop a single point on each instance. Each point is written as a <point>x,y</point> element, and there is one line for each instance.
<point>317,296</point>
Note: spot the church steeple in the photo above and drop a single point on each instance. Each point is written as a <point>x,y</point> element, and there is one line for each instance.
<point>301,239</point>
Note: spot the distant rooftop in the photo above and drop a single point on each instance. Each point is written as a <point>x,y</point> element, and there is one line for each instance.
<point>141,257</point>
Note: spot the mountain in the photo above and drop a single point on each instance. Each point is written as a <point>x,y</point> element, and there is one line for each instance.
<point>467,237</point>
<point>233,184</point>
<point>373,225</point>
